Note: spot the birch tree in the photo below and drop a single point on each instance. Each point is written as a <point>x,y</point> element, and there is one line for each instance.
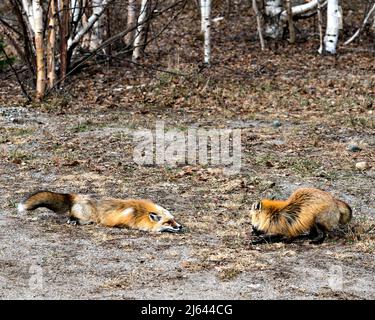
<point>51,43</point>
<point>365,21</point>
<point>276,15</point>
<point>273,10</point>
<point>28,11</point>
<point>320,27</point>
<point>97,32</point>
<point>333,24</point>
<point>132,7</point>
<point>74,39</point>
<point>206,26</point>
<point>258,17</point>
<point>139,33</point>
<point>39,47</point>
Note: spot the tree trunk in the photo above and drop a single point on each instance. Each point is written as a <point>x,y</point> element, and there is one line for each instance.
<point>132,6</point>
<point>292,32</point>
<point>97,32</point>
<point>39,47</point>
<point>320,26</point>
<point>28,47</point>
<point>51,73</point>
<point>64,33</point>
<point>76,7</point>
<point>76,38</point>
<point>139,34</point>
<point>273,27</point>
<point>206,16</point>
<point>333,24</point>
<point>29,12</point>
<point>259,24</point>
<point>84,21</point>
<point>355,35</point>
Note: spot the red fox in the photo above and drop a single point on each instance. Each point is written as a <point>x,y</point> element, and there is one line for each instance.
<point>306,210</point>
<point>82,209</point>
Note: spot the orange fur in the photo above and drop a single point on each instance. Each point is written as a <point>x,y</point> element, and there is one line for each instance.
<point>305,208</point>
<point>132,213</point>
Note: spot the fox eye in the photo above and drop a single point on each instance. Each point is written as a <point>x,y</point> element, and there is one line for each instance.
<point>154,217</point>
<point>257,205</point>
<point>167,223</point>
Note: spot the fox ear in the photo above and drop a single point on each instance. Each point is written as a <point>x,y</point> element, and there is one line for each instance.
<point>154,217</point>
<point>257,205</point>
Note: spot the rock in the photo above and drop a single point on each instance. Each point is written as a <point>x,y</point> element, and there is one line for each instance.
<point>363,165</point>
<point>276,124</point>
<point>353,147</point>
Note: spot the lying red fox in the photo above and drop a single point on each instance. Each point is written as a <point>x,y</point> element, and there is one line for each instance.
<point>82,209</point>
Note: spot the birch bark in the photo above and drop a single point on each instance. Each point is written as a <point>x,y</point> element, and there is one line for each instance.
<point>206,25</point>
<point>132,6</point>
<point>39,47</point>
<point>51,43</point>
<point>333,24</point>
<point>139,33</point>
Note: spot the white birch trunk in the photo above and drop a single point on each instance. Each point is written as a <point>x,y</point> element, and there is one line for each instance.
<point>202,10</point>
<point>51,43</point>
<point>74,39</point>
<point>333,24</point>
<point>206,17</point>
<point>132,6</point>
<point>84,21</point>
<point>27,6</point>
<point>273,9</point>
<point>97,32</point>
<point>139,33</point>
<point>39,46</point>
<point>320,27</point>
<point>300,9</point>
<point>76,7</point>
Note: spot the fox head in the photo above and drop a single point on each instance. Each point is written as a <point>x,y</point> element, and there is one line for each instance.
<point>152,217</point>
<point>255,212</point>
<point>163,220</point>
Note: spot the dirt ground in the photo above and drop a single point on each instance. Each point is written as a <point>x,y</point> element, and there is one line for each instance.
<point>298,114</point>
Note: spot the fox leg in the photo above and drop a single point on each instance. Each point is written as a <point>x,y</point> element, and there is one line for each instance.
<point>256,231</point>
<point>318,234</point>
<point>75,221</point>
<point>267,239</point>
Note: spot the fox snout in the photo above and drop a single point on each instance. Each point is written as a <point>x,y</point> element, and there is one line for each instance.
<point>173,227</point>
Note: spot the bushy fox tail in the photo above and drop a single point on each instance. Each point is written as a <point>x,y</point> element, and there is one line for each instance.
<point>57,202</point>
<point>345,212</point>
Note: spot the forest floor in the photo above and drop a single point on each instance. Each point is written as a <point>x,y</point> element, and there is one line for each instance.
<point>297,112</point>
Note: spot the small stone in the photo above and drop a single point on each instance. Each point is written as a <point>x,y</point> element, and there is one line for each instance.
<point>363,165</point>
<point>276,124</point>
<point>353,147</point>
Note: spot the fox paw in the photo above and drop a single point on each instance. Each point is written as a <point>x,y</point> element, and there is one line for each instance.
<point>72,221</point>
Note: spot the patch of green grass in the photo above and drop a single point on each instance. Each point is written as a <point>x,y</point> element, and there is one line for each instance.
<point>361,122</point>
<point>12,204</point>
<point>18,156</point>
<point>303,167</point>
<point>4,138</point>
<point>22,132</point>
<point>265,159</point>
<point>227,274</point>
<point>82,127</point>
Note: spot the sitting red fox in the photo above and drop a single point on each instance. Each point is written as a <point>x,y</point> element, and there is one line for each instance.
<point>307,210</point>
<point>82,209</point>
